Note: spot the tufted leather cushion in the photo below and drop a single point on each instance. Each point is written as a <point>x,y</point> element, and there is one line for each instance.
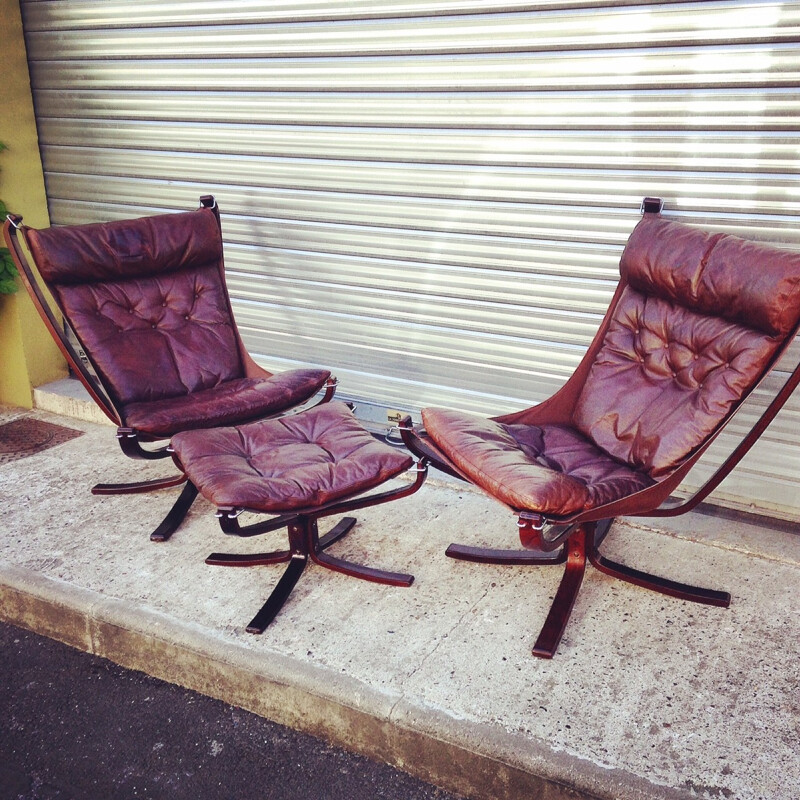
<point>715,274</point>
<point>151,338</point>
<point>302,461</point>
<point>146,299</point>
<point>126,248</point>
<point>550,468</point>
<point>234,401</point>
<point>663,379</point>
<point>700,318</point>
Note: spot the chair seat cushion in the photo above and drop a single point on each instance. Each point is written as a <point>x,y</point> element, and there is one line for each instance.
<point>296,462</point>
<point>550,469</point>
<point>228,403</point>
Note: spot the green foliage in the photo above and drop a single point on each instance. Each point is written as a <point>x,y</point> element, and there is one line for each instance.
<point>8,272</point>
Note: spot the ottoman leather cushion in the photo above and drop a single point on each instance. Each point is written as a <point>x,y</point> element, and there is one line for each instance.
<point>296,462</point>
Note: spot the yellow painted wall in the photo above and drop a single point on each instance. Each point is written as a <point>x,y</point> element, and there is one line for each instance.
<point>28,356</point>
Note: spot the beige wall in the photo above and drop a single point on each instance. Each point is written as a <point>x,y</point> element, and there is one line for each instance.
<point>28,356</point>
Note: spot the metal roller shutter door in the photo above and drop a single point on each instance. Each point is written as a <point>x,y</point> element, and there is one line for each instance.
<point>430,196</point>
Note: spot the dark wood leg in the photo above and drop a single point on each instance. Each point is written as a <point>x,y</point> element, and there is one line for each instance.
<point>249,559</point>
<point>176,515</point>
<point>314,548</point>
<point>140,486</point>
<point>582,544</point>
<point>230,525</point>
<point>305,544</point>
<point>558,616</point>
<point>340,529</point>
<point>696,594</point>
<point>538,550</point>
<point>362,571</point>
<point>297,556</point>
<point>485,555</point>
<point>280,594</point>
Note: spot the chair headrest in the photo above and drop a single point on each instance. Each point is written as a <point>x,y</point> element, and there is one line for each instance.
<point>715,274</point>
<point>126,248</point>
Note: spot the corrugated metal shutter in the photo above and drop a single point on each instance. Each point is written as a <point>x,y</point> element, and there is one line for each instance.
<point>430,196</point>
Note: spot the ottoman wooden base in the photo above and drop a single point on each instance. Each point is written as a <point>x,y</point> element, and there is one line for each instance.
<point>314,464</point>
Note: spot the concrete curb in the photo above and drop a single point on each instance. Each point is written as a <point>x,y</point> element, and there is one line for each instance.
<point>460,756</point>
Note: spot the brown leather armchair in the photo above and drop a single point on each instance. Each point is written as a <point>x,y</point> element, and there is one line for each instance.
<point>697,321</point>
<point>147,301</point>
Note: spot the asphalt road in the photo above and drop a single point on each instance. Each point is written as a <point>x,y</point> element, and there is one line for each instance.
<point>77,727</point>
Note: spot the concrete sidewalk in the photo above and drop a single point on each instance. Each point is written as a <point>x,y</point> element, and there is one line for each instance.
<point>648,696</point>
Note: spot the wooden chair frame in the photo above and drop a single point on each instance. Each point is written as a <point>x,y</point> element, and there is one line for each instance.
<point>130,440</point>
<point>576,539</point>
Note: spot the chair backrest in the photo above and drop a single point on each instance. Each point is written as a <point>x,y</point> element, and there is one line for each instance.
<point>147,301</point>
<point>699,320</point>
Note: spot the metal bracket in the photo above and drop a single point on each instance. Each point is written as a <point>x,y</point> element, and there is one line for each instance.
<point>530,519</point>
<point>652,205</point>
<point>391,437</point>
<point>228,512</point>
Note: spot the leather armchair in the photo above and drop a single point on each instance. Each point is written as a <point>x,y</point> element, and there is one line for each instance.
<point>147,301</point>
<point>697,321</point>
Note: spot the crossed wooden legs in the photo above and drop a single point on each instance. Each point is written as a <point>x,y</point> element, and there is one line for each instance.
<point>130,443</point>
<point>583,543</point>
<point>304,544</point>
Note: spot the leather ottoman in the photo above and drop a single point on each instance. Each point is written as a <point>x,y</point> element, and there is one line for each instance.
<point>301,467</point>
